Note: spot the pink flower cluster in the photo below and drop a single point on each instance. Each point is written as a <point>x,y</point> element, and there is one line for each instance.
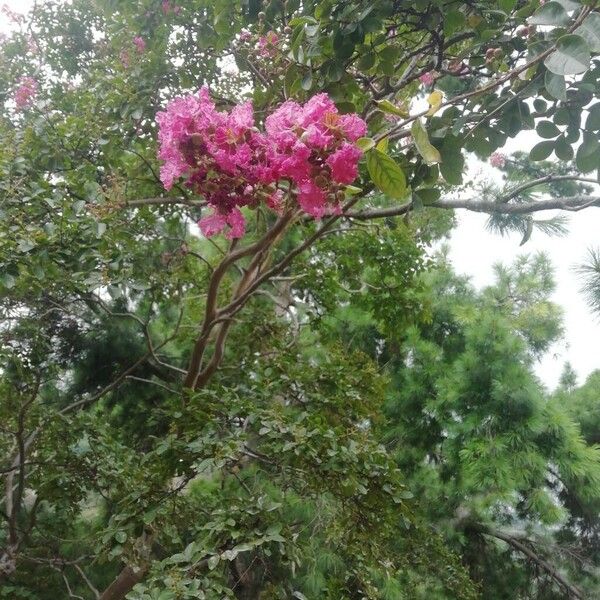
<point>307,150</point>
<point>167,7</point>
<point>427,79</point>
<point>25,92</point>
<point>267,44</point>
<point>497,159</point>
<point>139,44</point>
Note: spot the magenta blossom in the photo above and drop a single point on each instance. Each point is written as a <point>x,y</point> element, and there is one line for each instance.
<point>139,43</point>
<point>167,7</point>
<point>306,154</point>
<point>497,159</point>
<point>25,92</point>
<point>267,44</point>
<point>427,79</point>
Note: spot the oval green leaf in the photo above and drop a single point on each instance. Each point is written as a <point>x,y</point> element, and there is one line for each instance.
<point>555,85</point>
<point>430,154</point>
<point>551,13</point>
<point>589,30</point>
<point>547,130</point>
<point>386,174</point>
<point>562,149</point>
<point>571,57</point>
<point>541,151</point>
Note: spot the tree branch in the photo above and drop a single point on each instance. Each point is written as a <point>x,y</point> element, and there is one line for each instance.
<point>538,560</point>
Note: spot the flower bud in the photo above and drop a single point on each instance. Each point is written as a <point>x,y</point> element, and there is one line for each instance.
<point>196,139</point>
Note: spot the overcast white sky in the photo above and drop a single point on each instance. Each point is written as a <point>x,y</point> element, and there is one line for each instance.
<point>473,252</point>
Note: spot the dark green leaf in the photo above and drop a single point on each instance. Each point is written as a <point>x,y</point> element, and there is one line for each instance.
<point>541,151</point>
<point>563,149</point>
<point>592,122</point>
<point>555,84</point>
<point>547,130</point>
<point>586,158</point>
<point>453,161</point>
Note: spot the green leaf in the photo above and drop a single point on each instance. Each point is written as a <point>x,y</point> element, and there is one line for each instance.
<point>586,158</point>
<point>547,130</point>
<point>383,144</point>
<point>213,561</point>
<point>563,149</point>
<point>120,536</point>
<point>571,57</point>
<point>453,161</point>
<point>8,280</point>
<point>541,151</point>
<point>100,229</point>
<point>507,5</point>
<point>555,85</point>
<point>25,245</point>
<point>551,13</point>
<point>343,45</point>
<point>589,30</point>
<point>453,20</point>
<point>428,195</point>
<point>421,139</point>
<point>386,174</point>
<point>365,143</point>
<point>569,5</point>
<point>334,70</point>
<point>307,81</point>
<point>387,107</point>
<point>592,122</point>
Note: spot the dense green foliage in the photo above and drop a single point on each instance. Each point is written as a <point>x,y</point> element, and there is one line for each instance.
<point>325,412</point>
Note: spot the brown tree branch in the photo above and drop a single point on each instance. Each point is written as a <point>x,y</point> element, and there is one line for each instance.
<point>538,560</point>
<point>569,203</point>
<point>212,316</point>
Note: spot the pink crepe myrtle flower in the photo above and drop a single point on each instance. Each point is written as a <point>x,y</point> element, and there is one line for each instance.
<point>343,163</point>
<point>167,8</point>
<point>353,126</point>
<point>267,44</point>
<point>25,92</point>
<point>497,159</point>
<point>307,149</point>
<point>139,44</point>
<point>215,223</point>
<point>427,79</point>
